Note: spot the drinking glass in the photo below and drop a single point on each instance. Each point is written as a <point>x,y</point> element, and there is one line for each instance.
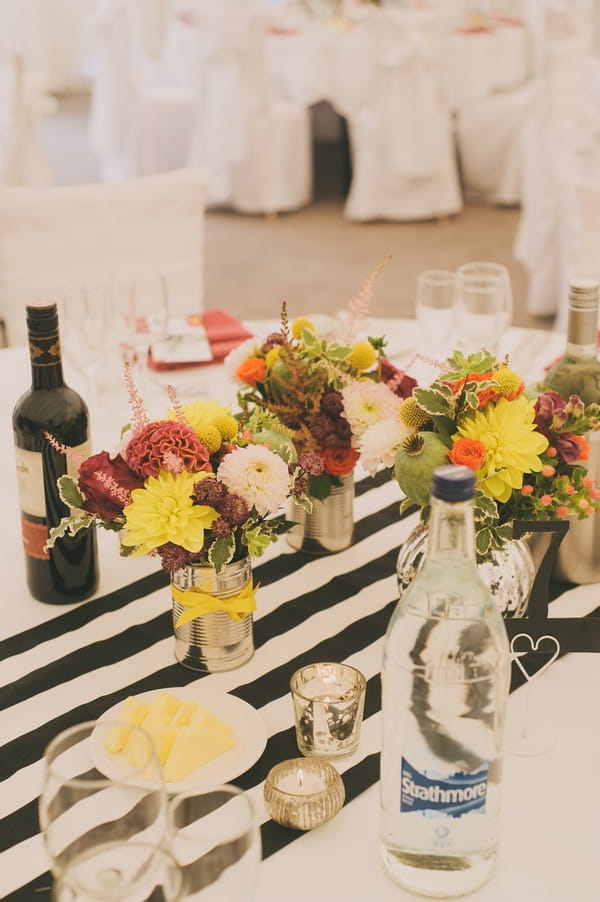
<point>216,841</point>
<point>434,310</point>
<point>482,305</point>
<point>91,797</point>
<point>121,872</point>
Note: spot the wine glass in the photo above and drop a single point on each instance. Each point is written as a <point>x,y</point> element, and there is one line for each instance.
<point>482,305</point>
<point>91,796</point>
<point>216,841</point>
<point>121,871</point>
<point>434,310</point>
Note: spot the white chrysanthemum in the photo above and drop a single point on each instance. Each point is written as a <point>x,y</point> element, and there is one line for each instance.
<point>367,402</point>
<point>379,443</point>
<point>235,358</point>
<point>258,475</point>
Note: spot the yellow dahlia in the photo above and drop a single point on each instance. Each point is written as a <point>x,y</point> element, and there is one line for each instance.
<point>512,445</point>
<point>163,512</point>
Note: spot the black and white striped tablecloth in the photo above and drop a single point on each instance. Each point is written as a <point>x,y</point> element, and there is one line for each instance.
<point>76,665</point>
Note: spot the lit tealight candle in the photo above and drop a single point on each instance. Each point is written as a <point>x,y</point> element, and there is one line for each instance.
<point>302,784</point>
<point>303,793</point>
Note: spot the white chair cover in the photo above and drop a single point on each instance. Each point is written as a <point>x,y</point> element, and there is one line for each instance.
<point>562,145</point>
<point>404,164</point>
<point>141,112</point>
<point>58,238</point>
<point>255,146</point>
<point>23,102</point>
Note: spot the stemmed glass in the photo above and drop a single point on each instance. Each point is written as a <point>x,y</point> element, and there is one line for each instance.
<point>91,798</point>
<point>216,841</point>
<point>482,305</point>
<point>434,310</point>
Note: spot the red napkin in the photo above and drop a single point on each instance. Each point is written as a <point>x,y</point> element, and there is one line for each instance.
<point>224,333</point>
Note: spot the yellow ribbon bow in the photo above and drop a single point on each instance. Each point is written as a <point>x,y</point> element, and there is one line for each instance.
<point>196,602</point>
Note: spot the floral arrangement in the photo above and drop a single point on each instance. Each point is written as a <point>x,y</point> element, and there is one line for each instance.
<point>327,393</point>
<point>199,486</point>
<point>528,454</point>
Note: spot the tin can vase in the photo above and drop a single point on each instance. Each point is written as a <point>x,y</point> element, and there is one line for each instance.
<point>330,525</point>
<point>509,575</point>
<point>213,641</point>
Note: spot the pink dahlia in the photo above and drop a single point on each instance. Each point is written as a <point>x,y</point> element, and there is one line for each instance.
<point>159,443</point>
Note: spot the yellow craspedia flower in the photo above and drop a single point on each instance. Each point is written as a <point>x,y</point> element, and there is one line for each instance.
<point>362,356</point>
<point>162,511</point>
<point>299,324</point>
<point>201,413</point>
<point>227,426</point>
<point>511,384</point>
<point>272,356</point>
<point>411,415</point>
<point>512,445</point>
<point>210,437</point>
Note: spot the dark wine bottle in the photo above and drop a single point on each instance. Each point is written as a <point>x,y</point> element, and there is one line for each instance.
<point>67,572</point>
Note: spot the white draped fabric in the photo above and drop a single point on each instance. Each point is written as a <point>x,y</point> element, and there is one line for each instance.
<point>58,239</point>
<point>253,85</point>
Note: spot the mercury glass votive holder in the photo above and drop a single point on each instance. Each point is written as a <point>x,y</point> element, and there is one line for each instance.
<point>329,701</point>
<point>303,793</point>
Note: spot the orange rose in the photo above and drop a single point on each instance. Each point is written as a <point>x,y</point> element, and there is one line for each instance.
<point>468,452</point>
<point>252,370</point>
<point>487,394</point>
<point>339,461</point>
<point>585,448</point>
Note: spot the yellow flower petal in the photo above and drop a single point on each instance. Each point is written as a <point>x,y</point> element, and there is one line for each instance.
<point>162,511</point>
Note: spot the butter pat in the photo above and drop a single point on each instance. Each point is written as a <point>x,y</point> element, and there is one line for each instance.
<point>133,712</point>
<point>194,747</point>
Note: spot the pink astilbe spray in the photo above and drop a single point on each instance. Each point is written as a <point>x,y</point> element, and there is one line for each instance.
<point>139,417</point>
<point>360,305</point>
<point>75,457</point>
<point>116,491</point>
<point>177,406</point>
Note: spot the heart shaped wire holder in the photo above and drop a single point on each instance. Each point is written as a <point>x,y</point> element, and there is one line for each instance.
<point>523,737</point>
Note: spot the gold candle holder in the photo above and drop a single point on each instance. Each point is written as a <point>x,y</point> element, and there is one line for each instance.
<point>302,793</point>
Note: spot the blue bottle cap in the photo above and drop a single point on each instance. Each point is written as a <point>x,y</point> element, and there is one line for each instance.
<point>453,483</point>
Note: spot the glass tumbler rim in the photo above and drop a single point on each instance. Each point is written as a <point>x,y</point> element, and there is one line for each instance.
<point>90,726</point>
<point>361,682</point>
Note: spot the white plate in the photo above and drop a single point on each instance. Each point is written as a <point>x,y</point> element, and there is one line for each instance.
<point>245,721</point>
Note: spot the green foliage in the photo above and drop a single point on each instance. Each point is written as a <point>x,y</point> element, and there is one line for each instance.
<point>69,492</point>
<point>221,552</point>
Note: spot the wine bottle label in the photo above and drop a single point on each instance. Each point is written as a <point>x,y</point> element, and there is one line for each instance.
<point>30,484</point>
<point>452,795</point>
<point>44,350</point>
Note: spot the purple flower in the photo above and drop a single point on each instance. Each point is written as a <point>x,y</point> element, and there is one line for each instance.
<point>342,429</point>
<point>569,449</point>
<point>221,529</point>
<point>545,408</point>
<point>174,557</point>
<point>332,403</point>
<point>321,426</point>
<point>311,462</point>
<point>209,491</point>
<point>234,509</point>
